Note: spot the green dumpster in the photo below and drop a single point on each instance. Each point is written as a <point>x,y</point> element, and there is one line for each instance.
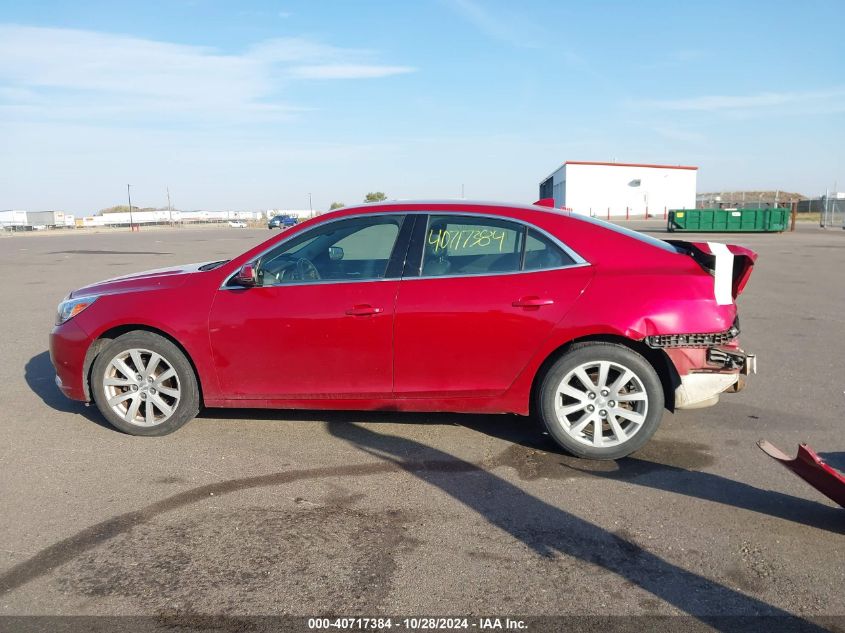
<point>728,220</point>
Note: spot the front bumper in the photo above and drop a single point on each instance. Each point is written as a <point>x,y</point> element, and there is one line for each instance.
<point>68,345</point>
<point>699,389</point>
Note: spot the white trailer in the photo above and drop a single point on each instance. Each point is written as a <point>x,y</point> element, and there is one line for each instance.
<point>45,218</point>
<point>620,189</point>
<point>13,219</point>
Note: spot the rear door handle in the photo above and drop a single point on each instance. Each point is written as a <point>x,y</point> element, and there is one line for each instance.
<point>532,302</point>
<point>363,310</point>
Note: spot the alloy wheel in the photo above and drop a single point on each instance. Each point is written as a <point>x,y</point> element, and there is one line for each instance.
<point>601,403</point>
<point>141,387</point>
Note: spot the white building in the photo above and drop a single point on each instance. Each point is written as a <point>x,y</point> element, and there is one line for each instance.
<point>621,188</point>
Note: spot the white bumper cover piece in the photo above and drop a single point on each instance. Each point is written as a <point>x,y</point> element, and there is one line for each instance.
<point>723,275</point>
<point>702,390</point>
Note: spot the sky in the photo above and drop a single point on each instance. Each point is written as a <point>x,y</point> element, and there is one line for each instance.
<point>261,104</point>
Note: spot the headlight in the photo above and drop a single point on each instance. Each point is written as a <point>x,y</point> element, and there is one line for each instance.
<point>69,308</point>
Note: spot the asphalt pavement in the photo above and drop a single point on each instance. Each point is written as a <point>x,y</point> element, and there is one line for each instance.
<point>247,512</point>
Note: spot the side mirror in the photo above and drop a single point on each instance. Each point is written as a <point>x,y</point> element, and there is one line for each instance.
<point>246,276</point>
<point>335,253</point>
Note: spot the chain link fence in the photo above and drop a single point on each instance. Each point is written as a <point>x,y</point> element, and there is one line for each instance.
<point>831,211</point>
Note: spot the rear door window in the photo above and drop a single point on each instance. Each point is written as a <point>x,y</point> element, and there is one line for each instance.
<point>465,245</point>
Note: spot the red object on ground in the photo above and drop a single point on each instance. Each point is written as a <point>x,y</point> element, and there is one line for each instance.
<point>812,469</point>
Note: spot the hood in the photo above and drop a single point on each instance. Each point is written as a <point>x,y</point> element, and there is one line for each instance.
<point>158,278</point>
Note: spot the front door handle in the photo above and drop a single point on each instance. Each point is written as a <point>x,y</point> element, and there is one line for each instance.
<point>532,302</point>
<point>363,310</point>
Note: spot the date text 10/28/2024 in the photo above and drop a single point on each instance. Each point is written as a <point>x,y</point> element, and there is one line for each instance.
<point>417,624</point>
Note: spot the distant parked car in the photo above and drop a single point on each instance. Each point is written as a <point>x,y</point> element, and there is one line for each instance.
<point>450,306</point>
<point>281,222</point>
<point>237,224</point>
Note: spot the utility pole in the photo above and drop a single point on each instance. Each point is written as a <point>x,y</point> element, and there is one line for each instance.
<point>129,195</point>
<point>462,191</point>
<point>310,206</point>
<point>169,208</point>
<point>823,214</point>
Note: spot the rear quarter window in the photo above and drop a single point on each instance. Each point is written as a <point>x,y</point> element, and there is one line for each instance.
<point>640,237</point>
<point>541,253</point>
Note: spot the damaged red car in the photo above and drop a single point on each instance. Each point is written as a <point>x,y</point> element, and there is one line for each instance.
<point>421,306</point>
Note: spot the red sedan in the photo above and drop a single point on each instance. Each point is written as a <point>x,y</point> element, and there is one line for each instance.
<point>421,306</point>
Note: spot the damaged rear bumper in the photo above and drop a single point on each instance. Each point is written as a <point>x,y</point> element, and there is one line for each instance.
<point>699,389</point>
<point>810,467</point>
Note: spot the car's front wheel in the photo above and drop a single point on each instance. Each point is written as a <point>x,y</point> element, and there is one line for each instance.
<point>144,385</point>
<point>601,401</point>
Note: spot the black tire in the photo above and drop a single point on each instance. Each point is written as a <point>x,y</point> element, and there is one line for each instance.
<point>184,383</point>
<point>619,355</point>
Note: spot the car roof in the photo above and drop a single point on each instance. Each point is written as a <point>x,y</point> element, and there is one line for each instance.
<point>494,207</point>
<point>452,202</point>
<point>452,205</point>
<point>595,240</point>
<point>581,233</point>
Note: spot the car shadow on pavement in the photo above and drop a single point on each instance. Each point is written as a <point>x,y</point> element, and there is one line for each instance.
<point>550,531</point>
<point>671,467</point>
<point>666,465</point>
<point>676,467</point>
<point>40,376</point>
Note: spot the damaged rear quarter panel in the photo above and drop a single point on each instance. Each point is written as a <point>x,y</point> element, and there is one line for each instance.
<point>640,304</point>
<point>634,303</point>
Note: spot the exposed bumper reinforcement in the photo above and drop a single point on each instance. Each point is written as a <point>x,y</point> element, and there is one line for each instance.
<point>732,358</point>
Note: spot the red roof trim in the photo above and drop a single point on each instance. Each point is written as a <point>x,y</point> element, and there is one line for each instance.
<point>587,162</point>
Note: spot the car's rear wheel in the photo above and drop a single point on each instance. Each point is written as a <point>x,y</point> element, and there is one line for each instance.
<point>601,401</point>
<point>144,385</point>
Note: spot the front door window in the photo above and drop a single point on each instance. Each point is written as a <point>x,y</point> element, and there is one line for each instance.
<point>357,249</point>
